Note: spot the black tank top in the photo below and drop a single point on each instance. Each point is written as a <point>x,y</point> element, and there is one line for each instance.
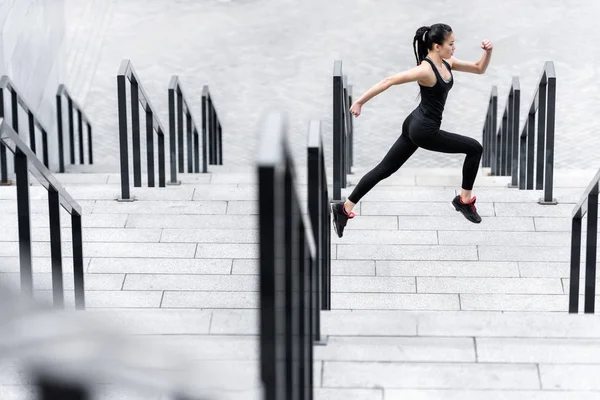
<point>433,99</point>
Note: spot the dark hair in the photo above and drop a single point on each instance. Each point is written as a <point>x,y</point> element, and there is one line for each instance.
<point>427,36</point>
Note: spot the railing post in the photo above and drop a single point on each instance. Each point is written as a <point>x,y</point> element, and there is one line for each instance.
<point>316,212</point>
<point>135,133</point>
<point>338,131</point>
<point>3,158</point>
<point>213,132</point>
<point>32,141</point>
<point>123,146</point>
<point>505,135</point>
<point>523,156</point>
<point>190,145</point>
<point>516,116</point>
<point>180,153</point>
<point>172,137</point>
<point>550,125</point>
<point>150,146</point>
<point>45,159</point>
<point>56,248</point>
<point>71,131</point>
<point>591,252</point>
<point>575,265</point>
<point>204,129</point>
<point>77,237</point>
<point>196,152</point>
<point>541,137</point>
<point>90,146</point>
<point>351,130</point>
<point>24,217</point>
<point>161,160</point>
<point>80,127</point>
<point>530,149</point>
<point>220,142</point>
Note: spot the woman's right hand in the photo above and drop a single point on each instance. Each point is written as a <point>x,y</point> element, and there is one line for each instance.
<point>355,109</point>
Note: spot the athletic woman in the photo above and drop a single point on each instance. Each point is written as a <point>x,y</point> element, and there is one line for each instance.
<point>435,45</point>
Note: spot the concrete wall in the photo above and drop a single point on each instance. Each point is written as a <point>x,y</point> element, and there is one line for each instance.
<point>32,54</point>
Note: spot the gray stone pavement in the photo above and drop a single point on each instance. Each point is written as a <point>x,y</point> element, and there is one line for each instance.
<point>261,55</point>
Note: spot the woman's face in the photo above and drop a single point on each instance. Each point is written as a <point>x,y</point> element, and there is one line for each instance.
<point>446,50</point>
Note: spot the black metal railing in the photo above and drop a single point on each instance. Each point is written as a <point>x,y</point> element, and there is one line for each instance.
<point>288,269</point>
<point>15,100</point>
<point>177,143</point>
<point>544,104</point>
<point>587,205</point>
<point>319,211</point>
<point>153,125</point>
<point>26,161</point>
<point>343,138</point>
<point>505,146</point>
<point>490,130</point>
<point>82,120</point>
<point>513,154</point>
<point>212,132</point>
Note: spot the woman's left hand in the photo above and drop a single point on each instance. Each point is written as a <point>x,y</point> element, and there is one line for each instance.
<point>487,45</point>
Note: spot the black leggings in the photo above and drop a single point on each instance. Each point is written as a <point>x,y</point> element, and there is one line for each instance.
<point>419,131</point>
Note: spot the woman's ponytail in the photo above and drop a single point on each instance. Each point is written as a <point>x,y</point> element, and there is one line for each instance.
<point>421,43</point>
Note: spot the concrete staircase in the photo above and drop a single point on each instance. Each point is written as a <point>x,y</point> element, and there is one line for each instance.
<point>426,305</point>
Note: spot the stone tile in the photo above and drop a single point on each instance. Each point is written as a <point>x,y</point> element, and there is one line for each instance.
<point>425,208</point>
<point>40,264</point>
<point>193,221</point>
<point>447,268</point>
<point>489,285</point>
<point>505,324</point>
<point>235,322</point>
<point>370,222</point>
<point>108,299</point>
<point>206,283</point>
<point>455,222</point>
<point>211,347</point>
<point>543,269</point>
<point>541,351</point>
<point>238,250</point>
<point>348,394</point>
<point>352,267</point>
<point>523,239</point>
<point>513,302</point>
<point>570,377</point>
<point>157,321</point>
<point>87,221</point>
<point>43,281</point>
<point>432,394</point>
<point>386,237</point>
<point>159,266</point>
<point>552,224</point>
<point>529,253</point>
<point>401,252</point>
<point>434,375</point>
<point>210,300</point>
<point>368,323</point>
<point>533,210</point>
<point>226,193</point>
<point>143,250</point>
<point>379,301</point>
<point>393,349</point>
<point>210,235</point>
<point>160,207</point>
<point>367,284</point>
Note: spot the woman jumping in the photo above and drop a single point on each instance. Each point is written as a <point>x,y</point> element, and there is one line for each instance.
<point>434,44</point>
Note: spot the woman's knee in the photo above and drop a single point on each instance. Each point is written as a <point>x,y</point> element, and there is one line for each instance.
<point>476,149</point>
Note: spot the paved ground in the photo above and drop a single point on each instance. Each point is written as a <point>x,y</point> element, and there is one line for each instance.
<point>258,55</point>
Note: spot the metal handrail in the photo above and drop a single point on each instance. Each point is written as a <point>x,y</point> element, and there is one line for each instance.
<point>33,122</point>
<point>506,143</point>
<point>82,119</point>
<point>342,130</point>
<point>287,264</point>
<point>544,104</point>
<point>212,132</point>
<point>489,129</point>
<point>26,161</point>
<point>588,204</point>
<point>176,132</point>
<point>320,217</point>
<point>153,125</point>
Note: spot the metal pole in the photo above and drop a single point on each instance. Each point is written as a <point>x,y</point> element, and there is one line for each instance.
<point>575,265</point>
<point>77,238</point>
<point>172,135</point>
<point>24,217</point>
<point>135,133</point>
<point>58,294</point>
<point>123,146</point>
<point>80,127</point>
<point>549,183</point>
<point>591,252</point>
<point>150,146</point>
